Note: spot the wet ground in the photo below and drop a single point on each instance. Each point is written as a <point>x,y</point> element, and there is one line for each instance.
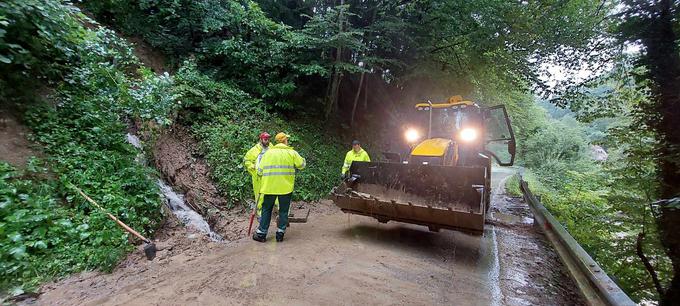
<point>530,271</point>
<point>340,259</point>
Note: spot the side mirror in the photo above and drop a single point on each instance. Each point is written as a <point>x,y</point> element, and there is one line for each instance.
<point>500,137</point>
<point>512,147</point>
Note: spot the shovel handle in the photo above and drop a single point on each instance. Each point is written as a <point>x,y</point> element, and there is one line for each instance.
<point>123,225</point>
<point>129,229</point>
<point>252,217</point>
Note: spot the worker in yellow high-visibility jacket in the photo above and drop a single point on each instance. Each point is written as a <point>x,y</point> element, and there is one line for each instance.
<point>356,154</point>
<point>250,160</point>
<point>277,169</point>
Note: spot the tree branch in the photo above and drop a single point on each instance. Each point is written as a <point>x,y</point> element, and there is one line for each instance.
<point>648,265</point>
<point>437,49</point>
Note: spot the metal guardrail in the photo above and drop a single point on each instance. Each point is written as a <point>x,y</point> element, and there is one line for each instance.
<point>595,285</point>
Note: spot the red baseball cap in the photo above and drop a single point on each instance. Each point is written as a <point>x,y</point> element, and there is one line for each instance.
<point>264,135</point>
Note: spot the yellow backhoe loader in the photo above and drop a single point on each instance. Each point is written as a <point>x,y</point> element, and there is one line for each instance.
<point>445,179</point>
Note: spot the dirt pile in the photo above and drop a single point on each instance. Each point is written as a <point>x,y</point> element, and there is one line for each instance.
<point>149,56</point>
<point>176,156</point>
<point>329,261</point>
<point>233,224</point>
<point>335,259</point>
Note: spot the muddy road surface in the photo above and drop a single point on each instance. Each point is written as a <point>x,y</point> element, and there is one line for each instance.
<point>338,259</point>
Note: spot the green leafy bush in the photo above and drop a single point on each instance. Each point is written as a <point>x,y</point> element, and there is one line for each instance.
<point>38,38</point>
<point>43,238</point>
<point>231,40</point>
<point>604,205</point>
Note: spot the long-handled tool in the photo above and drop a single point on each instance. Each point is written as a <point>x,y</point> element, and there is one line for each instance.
<point>252,217</point>
<point>149,247</point>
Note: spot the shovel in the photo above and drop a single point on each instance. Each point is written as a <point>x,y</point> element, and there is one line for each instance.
<point>252,217</point>
<point>149,247</point>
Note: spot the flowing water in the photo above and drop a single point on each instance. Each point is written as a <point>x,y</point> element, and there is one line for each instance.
<point>175,201</point>
<point>134,141</point>
<point>190,218</point>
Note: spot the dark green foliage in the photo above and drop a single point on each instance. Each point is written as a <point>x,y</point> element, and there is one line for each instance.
<point>231,40</point>
<point>37,39</point>
<point>558,146</point>
<point>411,50</point>
<point>41,238</point>
<point>654,26</point>
<point>604,213</point>
<point>84,137</point>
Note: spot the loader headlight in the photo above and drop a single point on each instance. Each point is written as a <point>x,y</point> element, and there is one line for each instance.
<point>412,135</point>
<point>468,134</point>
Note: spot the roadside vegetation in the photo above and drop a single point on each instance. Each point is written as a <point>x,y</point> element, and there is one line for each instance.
<point>604,204</point>
<point>91,83</point>
<point>328,72</point>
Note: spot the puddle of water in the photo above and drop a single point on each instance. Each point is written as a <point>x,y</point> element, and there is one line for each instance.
<point>175,201</point>
<point>494,272</point>
<point>511,219</point>
<point>488,265</point>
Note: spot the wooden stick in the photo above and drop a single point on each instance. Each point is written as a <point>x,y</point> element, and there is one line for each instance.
<point>123,225</point>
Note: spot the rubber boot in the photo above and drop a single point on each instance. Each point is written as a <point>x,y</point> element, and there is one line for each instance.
<point>279,236</point>
<point>261,237</point>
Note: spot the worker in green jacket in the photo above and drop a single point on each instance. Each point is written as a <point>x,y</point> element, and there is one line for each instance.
<point>250,160</point>
<point>356,154</point>
<point>277,169</point>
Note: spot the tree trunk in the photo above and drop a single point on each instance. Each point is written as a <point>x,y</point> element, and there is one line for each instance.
<point>648,265</point>
<point>332,93</point>
<point>366,92</point>
<point>356,100</point>
<point>331,104</point>
<point>663,63</point>
<point>336,96</point>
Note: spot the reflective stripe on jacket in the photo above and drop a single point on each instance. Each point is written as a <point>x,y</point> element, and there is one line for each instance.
<point>253,156</point>
<point>277,168</point>
<point>354,156</point>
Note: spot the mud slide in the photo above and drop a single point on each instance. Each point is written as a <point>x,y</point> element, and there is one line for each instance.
<point>338,259</point>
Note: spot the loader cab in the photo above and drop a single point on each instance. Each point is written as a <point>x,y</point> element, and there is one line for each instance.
<point>461,133</point>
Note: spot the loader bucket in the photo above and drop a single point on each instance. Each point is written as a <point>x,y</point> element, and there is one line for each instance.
<point>434,196</point>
